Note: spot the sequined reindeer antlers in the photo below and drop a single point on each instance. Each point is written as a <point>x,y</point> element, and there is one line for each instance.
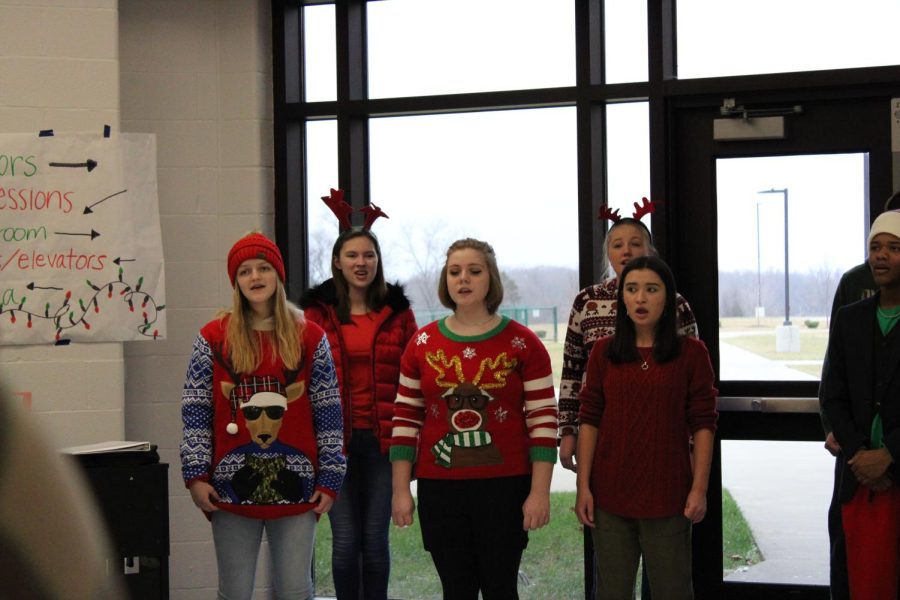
<point>645,208</point>
<point>342,210</point>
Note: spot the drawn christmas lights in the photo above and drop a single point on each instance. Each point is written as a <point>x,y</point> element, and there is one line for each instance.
<point>80,241</point>
<point>66,315</point>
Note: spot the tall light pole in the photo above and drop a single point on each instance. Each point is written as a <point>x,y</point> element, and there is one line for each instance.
<point>787,279</point>
<point>758,270</point>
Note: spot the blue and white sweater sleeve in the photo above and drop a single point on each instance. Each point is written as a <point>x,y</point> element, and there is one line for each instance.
<point>197,413</point>
<point>325,400</point>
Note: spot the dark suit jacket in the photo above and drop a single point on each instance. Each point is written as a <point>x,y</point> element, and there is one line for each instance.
<point>851,394</point>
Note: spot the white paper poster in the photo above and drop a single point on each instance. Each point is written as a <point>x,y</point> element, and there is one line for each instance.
<point>80,245</point>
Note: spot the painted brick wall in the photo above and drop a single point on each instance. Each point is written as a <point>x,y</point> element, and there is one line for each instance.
<point>197,74</point>
<point>59,70</point>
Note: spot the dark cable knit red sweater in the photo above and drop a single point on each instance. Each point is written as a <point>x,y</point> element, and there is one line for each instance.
<point>642,462</point>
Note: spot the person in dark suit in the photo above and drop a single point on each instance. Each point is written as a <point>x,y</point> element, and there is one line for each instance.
<point>856,284</point>
<point>861,399</point>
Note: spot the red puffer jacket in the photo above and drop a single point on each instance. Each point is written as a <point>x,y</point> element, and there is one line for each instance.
<point>393,332</point>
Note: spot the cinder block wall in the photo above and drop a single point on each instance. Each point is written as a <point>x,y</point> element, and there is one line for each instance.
<point>59,70</point>
<point>196,73</point>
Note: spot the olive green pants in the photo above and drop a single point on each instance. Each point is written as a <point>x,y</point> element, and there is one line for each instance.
<point>665,544</point>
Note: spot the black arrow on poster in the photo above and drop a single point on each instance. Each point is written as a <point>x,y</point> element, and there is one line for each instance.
<point>32,286</point>
<point>87,209</point>
<point>93,233</point>
<point>90,164</point>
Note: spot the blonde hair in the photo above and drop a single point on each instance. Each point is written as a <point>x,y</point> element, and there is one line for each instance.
<point>609,271</point>
<point>243,345</point>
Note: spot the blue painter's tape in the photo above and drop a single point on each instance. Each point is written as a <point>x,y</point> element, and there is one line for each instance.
<point>62,342</point>
<point>45,133</point>
<point>106,131</point>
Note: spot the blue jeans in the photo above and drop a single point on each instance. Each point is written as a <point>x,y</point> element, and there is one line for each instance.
<point>360,521</point>
<point>237,540</point>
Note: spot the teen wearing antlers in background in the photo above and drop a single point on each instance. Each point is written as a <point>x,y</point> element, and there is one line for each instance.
<point>593,317</point>
<point>263,436</point>
<point>647,392</point>
<point>476,416</point>
<point>368,323</point>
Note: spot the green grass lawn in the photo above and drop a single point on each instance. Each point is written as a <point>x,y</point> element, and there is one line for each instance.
<point>551,566</point>
<point>813,344</point>
<point>760,339</point>
<point>738,546</point>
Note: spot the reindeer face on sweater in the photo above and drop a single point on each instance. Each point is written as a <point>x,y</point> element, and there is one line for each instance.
<point>466,407</point>
<point>263,402</point>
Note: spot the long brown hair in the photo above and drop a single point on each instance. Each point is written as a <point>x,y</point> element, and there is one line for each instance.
<point>376,293</point>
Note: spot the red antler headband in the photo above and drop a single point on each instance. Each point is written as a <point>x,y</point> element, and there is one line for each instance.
<point>640,210</point>
<point>342,210</point>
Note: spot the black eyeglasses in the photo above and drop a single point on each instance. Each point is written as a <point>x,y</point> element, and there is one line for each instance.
<point>457,402</point>
<point>252,413</point>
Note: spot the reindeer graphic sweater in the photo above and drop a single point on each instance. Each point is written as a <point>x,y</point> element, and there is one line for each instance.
<point>265,440</point>
<point>474,407</point>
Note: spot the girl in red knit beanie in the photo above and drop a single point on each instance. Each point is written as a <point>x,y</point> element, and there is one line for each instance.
<point>262,445</point>
<point>646,394</point>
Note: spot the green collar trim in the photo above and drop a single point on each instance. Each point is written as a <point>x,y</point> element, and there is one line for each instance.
<point>504,321</point>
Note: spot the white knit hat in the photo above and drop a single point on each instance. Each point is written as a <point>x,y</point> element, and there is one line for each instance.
<point>887,222</point>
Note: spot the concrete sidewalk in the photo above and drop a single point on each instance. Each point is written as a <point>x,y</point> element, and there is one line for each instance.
<point>783,490</point>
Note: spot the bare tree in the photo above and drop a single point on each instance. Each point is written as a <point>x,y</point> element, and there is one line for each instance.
<point>320,243</point>
<point>425,249</point>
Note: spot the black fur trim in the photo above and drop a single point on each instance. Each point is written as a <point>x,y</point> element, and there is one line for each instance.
<point>326,293</point>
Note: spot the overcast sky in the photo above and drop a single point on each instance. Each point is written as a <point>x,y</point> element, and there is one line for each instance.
<point>509,177</point>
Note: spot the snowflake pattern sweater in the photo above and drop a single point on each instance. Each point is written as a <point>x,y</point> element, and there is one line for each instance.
<point>642,462</point>
<point>593,317</point>
<point>289,436</point>
<point>475,407</point>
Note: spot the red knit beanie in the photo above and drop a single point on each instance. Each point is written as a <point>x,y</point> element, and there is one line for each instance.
<point>255,245</point>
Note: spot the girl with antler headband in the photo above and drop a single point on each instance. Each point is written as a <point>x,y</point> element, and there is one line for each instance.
<point>647,391</point>
<point>593,317</point>
<point>476,416</point>
<point>368,323</point>
<point>262,445</point>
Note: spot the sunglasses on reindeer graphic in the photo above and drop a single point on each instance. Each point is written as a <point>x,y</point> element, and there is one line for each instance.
<point>252,413</point>
<point>474,401</point>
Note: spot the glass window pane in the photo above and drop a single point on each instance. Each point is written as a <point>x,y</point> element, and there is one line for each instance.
<point>626,40</point>
<point>428,47</point>
<point>761,335</point>
<point>628,156</point>
<point>505,177</point>
<point>774,520</point>
<point>773,36</point>
<point>319,53</point>
<point>322,175</point>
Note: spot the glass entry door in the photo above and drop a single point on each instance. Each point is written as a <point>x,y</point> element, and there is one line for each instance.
<point>763,230</point>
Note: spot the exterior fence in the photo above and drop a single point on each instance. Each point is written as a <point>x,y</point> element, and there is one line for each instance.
<point>542,319</point>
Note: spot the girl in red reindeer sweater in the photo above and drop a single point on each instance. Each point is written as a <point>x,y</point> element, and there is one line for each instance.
<point>262,446</point>
<point>476,413</point>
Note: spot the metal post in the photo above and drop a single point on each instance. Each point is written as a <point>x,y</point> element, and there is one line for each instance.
<point>787,275</point>
<point>758,269</point>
